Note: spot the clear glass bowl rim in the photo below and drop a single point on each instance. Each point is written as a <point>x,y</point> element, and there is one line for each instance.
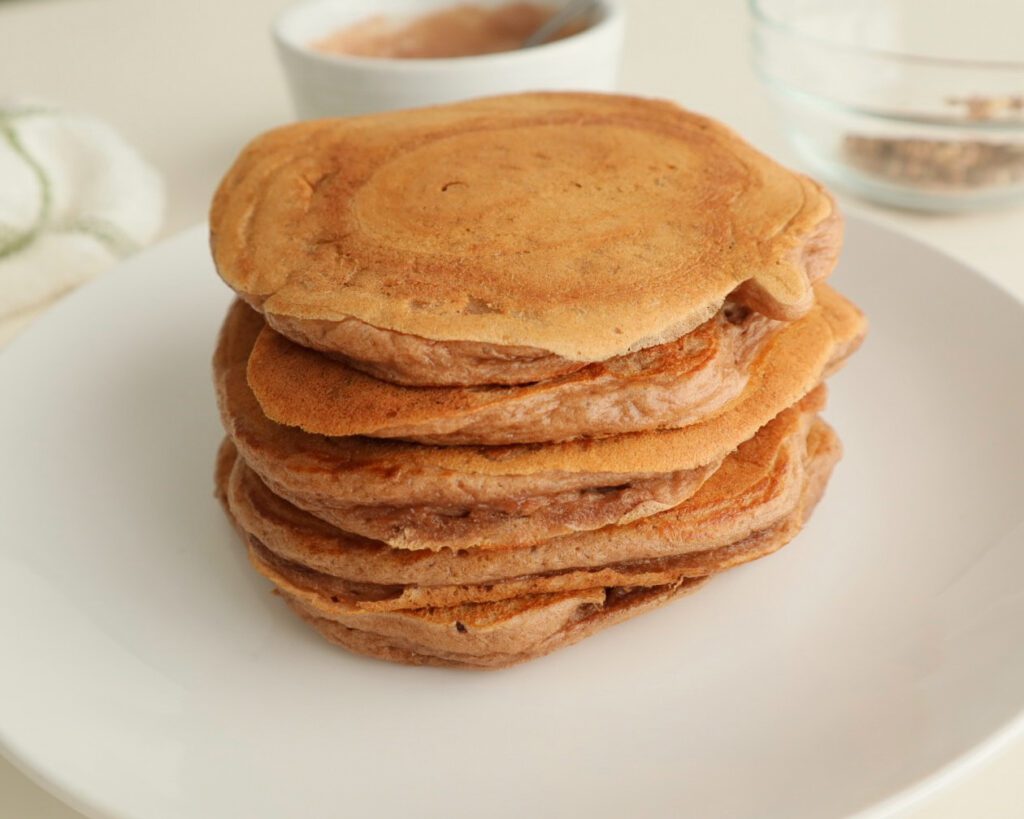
<point>763,17</point>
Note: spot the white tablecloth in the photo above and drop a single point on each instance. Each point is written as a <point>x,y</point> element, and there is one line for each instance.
<point>190,81</point>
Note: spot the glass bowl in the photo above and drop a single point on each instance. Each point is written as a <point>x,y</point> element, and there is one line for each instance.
<point>913,103</point>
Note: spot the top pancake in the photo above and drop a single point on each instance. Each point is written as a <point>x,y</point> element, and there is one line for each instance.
<point>570,227</point>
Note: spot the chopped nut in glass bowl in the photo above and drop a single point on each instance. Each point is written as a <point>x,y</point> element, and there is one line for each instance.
<point>901,101</point>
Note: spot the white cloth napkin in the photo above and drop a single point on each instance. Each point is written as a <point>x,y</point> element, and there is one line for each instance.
<point>74,198</point>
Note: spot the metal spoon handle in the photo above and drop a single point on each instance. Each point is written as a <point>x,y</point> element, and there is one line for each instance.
<point>557,21</point>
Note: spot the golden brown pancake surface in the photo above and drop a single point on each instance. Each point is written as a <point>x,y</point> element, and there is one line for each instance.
<point>513,238</point>
<point>506,372</point>
<point>586,619</point>
<point>756,487</point>
<point>418,496</point>
<point>666,386</point>
<point>502,633</point>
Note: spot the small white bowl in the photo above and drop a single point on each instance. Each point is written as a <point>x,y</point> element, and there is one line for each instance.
<point>325,85</point>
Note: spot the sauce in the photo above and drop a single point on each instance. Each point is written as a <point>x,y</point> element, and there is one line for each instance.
<point>459,31</point>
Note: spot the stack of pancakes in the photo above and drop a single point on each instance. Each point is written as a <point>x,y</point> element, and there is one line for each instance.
<point>506,372</point>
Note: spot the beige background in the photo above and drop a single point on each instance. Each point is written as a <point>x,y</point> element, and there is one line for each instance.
<point>190,81</point>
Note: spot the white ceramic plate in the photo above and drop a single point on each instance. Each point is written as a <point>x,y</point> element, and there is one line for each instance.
<point>147,673</point>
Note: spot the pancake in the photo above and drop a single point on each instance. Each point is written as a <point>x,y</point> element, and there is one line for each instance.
<point>667,386</point>
<point>589,619</point>
<point>513,239</point>
<point>756,487</point>
<point>410,497</point>
<point>414,496</point>
<point>329,594</point>
<point>495,635</point>
<point>330,597</point>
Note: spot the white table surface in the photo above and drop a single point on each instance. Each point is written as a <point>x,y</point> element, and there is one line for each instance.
<point>190,81</point>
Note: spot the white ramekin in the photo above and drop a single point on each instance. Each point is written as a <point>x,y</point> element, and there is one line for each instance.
<point>325,85</point>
